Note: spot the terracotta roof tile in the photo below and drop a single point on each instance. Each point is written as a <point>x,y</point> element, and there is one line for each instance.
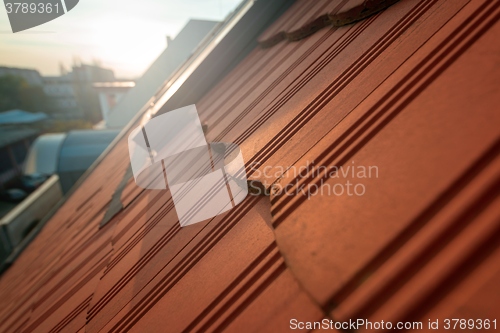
<point>308,17</point>
<point>377,215</point>
<point>411,90</point>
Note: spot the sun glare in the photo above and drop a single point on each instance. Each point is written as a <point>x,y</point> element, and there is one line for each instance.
<point>130,45</point>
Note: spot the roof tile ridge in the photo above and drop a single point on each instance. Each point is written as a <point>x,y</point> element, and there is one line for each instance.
<point>352,11</point>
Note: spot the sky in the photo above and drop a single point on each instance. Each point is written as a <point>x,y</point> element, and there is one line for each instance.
<point>123,35</point>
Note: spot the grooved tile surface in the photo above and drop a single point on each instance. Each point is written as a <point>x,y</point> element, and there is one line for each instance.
<point>408,92</point>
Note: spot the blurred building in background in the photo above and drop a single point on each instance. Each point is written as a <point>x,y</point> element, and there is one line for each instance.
<point>63,100</point>
<point>70,95</point>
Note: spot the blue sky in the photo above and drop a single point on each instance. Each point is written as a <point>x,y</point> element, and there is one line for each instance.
<point>125,35</point>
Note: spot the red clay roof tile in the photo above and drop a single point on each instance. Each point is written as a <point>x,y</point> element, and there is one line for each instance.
<point>306,18</point>
<point>411,90</point>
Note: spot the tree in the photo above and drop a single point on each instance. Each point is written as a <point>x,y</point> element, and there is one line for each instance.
<point>16,93</point>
